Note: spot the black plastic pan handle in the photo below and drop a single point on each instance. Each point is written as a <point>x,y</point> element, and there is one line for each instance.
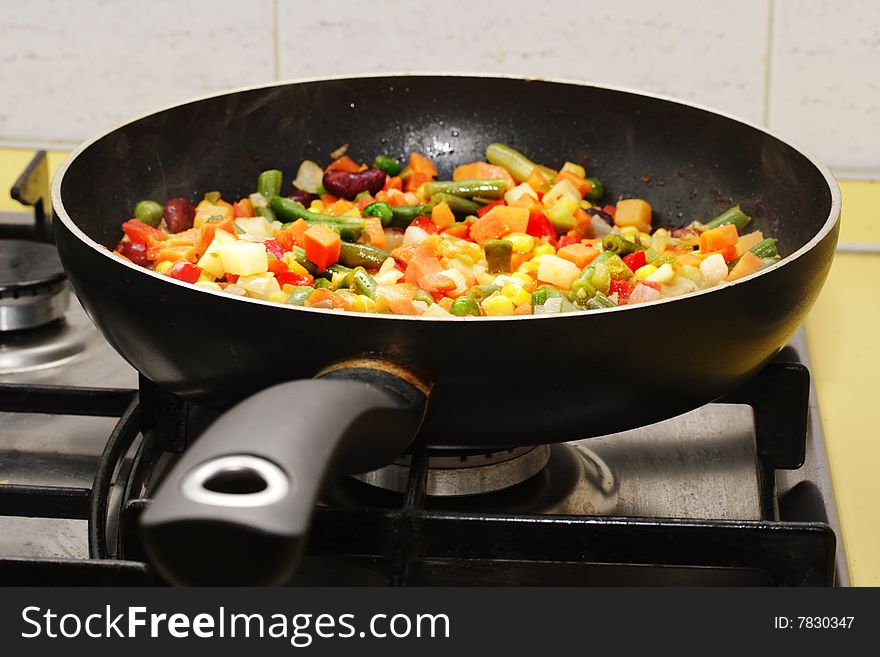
<point>236,508</point>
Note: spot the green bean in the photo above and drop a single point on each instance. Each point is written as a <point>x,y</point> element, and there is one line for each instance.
<point>269,183</point>
<point>734,216</point>
<point>541,294</point>
<point>772,260</point>
<point>618,268</point>
<point>517,164</point>
<point>403,215</point>
<point>267,212</point>
<point>323,282</point>
<point>620,246</point>
<point>363,283</point>
<point>480,292</point>
<point>600,300</point>
<point>457,204</point>
<point>149,212</point>
<point>465,306</point>
<point>498,255</point>
<point>765,248</point>
<point>381,210</point>
<point>299,295</point>
<point>361,255</point>
<point>387,163</point>
<point>468,188</point>
<point>349,228</point>
<point>602,278</point>
<point>566,306</point>
<point>598,189</point>
<point>661,260</point>
<point>582,288</point>
<point>299,254</point>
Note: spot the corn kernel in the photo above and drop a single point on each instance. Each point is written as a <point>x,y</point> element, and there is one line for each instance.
<point>497,305</point>
<point>516,294</point>
<point>317,206</point>
<point>545,249</point>
<point>629,232</point>
<point>530,265</point>
<point>645,271</point>
<point>522,277</point>
<point>296,268</point>
<point>585,204</point>
<point>664,274</point>
<point>576,169</point>
<point>164,267</point>
<point>209,285</point>
<point>277,296</point>
<point>521,242</point>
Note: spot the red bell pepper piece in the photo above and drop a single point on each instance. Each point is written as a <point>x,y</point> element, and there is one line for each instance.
<point>622,288</point>
<point>610,209</point>
<point>232,278</point>
<point>426,225</point>
<point>273,246</point>
<point>185,271</point>
<point>292,278</point>
<point>138,231</point>
<point>540,226</point>
<point>483,210</point>
<point>635,260</point>
<point>565,240</point>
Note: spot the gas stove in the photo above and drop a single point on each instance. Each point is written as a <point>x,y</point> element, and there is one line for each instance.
<point>734,493</point>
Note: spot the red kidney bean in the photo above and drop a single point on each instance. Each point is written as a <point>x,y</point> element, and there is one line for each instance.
<point>301,197</point>
<point>348,185</point>
<point>134,251</point>
<point>179,214</point>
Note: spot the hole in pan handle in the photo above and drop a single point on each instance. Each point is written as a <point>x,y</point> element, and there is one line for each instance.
<point>235,509</point>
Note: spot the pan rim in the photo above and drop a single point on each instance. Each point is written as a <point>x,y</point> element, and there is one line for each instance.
<point>830,222</point>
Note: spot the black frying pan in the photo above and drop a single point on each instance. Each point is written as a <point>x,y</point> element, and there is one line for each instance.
<point>238,501</point>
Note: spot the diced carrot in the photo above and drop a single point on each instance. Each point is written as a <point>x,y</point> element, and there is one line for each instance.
<point>298,231</point>
<point>322,245</point>
<point>424,271</point>
<point>345,163</point>
<point>528,202</point>
<point>690,259</point>
<point>174,253</point>
<point>207,231</point>
<point>340,208</point>
<point>715,239</point>
<point>243,208</point>
<point>524,309</point>
<point>420,164</point>
<point>442,216</point>
<point>499,221</point>
<point>373,229</point>
<point>633,212</point>
<point>393,182</point>
<point>416,180</point>
<point>483,171</point>
<point>364,202</point>
<point>538,181</point>
<point>402,307</point>
<point>747,264</point>
<point>277,266</point>
<point>579,254</point>
<point>328,199</point>
<point>728,253</point>
<point>583,185</point>
<point>462,230</point>
<point>284,239</point>
<point>405,252</point>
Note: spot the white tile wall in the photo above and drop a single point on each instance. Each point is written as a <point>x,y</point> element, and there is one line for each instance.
<point>825,79</point>
<point>806,67</point>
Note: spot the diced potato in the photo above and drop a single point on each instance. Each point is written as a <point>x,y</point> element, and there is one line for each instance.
<point>206,210</point>
<point>243,258</point>
<point>260,286</point>
<point>511,196</point>
<point>557,271</point>
<point>714,269</point>
<point>747,241</point>
<point>211,261</point>
<point>436,310</point>
<point>563,188</point>
<point>633,212</point>
<point>663,275</point>
<point>255,227</point>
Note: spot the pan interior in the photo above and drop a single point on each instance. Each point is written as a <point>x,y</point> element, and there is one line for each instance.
<point>687,162</point>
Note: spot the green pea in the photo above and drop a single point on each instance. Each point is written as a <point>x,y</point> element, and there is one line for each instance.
<point>595,194</point>
<point>388,164</point>
<point>149,212</point>
<point>465,306</point>
<point>381,210</point>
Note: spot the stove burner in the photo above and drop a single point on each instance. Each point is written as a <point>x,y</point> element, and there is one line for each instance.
<point>33,286</point>
<point>453,473</point>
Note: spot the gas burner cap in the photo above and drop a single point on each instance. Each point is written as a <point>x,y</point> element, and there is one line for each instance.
<point>33,286</point>
<point>454,473</point>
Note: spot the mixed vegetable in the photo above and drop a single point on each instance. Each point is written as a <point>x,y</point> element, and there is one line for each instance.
<point>505,236</point>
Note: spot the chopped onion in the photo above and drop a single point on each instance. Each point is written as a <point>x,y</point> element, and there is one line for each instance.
<point>414,234</point>
<point>600,227</point>
<point>644,293</point>
<point>339,152</point>
<point>552,305</point>
<point>309,177</point>
<point>393,238</point>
